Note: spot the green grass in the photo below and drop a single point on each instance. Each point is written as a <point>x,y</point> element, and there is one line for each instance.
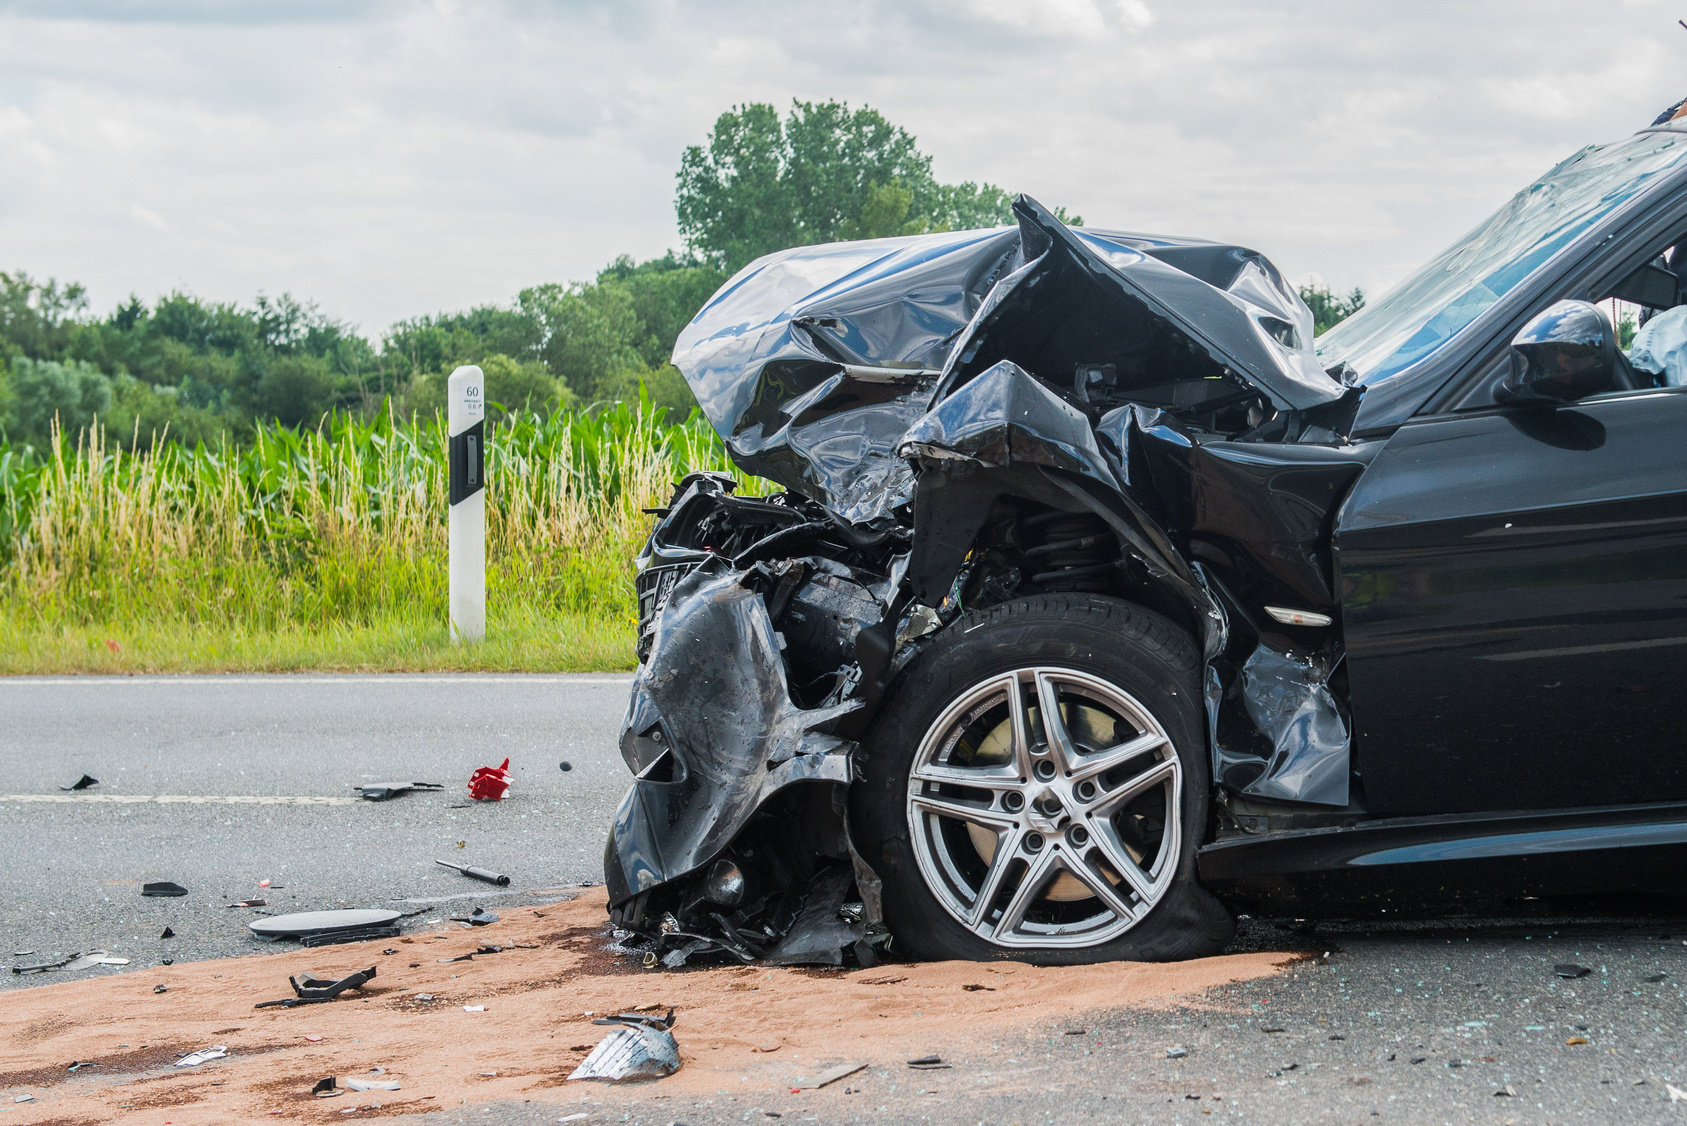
<point>514,643</point>
<point>326,549</point>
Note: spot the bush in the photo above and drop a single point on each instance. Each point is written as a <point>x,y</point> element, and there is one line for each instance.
<point>516,386</point>
<point>295,391</point>
<point>74,393</point>
<point>141,415</point>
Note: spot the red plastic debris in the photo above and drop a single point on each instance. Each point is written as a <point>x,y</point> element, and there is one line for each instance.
<point>490,783</point>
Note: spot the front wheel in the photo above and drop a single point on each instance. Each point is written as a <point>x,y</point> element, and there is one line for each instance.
<point>1037,786</point>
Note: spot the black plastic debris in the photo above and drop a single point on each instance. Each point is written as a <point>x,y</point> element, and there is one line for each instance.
<point>322,928</point>
<point>1571,970</point>
<point>1654,979</point>
<point>928,1063</point>
<point>565,766</point>
<point>820,932</point>
<point>78,1065</point>
<point>312,991</point>
<point>324,1088</point>
<point>479,917</point>
<point>43,967</point>
<point>249,903</point>
<point>82,783</point>
<point>168,933</point>
<point>1176,1053</point>
<point>477,873</point>
<point>166,961</point>
<point>163,888</point>
<point>385,791</point>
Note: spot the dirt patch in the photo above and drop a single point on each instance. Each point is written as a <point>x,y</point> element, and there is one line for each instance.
<point>130,1062</point>
<point>763,1026</point>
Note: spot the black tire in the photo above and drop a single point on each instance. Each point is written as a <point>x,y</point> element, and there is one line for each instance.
<point>1130,647</point>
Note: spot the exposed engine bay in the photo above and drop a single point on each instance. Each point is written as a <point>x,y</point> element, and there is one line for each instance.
<point>957,421</point>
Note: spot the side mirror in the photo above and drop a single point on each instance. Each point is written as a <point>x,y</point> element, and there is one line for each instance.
<point>1567,352</point>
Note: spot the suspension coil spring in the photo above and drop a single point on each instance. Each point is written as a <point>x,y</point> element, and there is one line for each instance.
<point>1078,551</point>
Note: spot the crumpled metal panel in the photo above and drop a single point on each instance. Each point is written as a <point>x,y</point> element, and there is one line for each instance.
<point>767,357</point>
<point>714,687</point>
<point>1006,416</point>
<point>632,1051</point>
<point>819,934</point>
<point>813,362</point>
<point>1290,702</point>
<point>1237,307</point>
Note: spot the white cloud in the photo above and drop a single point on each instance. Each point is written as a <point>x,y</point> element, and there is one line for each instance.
<point>389,158</point>
<point>150,218</point>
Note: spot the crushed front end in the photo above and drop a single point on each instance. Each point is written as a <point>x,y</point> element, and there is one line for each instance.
<point>958,421</point>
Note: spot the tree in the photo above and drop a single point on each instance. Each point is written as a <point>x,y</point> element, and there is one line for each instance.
<point>825,173</point>
<point>37,319</point>
<point>1328,309</point>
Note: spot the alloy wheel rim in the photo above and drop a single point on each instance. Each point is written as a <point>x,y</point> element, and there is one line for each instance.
<point>1034,833</point>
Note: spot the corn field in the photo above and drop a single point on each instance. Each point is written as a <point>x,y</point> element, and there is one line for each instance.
<point>342,526</point>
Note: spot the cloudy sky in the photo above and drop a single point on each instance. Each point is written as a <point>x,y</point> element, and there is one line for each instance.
<point>389,158</point>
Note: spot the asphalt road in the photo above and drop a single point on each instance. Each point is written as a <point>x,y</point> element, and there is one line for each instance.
<point>1409,1023</point>
<point>236,749</point>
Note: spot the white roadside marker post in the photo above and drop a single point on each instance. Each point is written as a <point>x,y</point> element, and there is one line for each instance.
<point>465,422</point>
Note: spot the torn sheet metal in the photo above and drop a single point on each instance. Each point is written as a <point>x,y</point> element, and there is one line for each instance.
<point>1124,318</point>
<point>1258,514</point>
<point>386,791</point>
<point>1006,416</point>
<point>812,362</point>
<point>1288,698</point>
<point>714,727</point>
<point>204,1055</point>
<point>640,1047</point>
<point>821,933</point>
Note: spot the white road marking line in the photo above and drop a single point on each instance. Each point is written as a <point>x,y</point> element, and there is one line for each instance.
<point>178,799</point>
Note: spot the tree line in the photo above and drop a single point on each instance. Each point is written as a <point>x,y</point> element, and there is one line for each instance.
<point>194,369</point>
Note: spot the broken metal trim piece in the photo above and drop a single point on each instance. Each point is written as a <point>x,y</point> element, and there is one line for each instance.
<point>204,1055</point>
<point>843,1070</point>
<point>631,1051</point>
<point>1298,617</point>
<point>888,373</point>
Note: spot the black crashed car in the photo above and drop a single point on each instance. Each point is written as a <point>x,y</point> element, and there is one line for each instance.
<point>1101,601</point>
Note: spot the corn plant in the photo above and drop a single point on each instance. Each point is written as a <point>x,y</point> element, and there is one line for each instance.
<point>339,526</point>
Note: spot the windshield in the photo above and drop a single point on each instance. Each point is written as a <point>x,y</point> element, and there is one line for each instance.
<point>1423,312</point>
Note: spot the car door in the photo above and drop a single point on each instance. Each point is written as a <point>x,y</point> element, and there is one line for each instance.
<point>1514,599</point>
